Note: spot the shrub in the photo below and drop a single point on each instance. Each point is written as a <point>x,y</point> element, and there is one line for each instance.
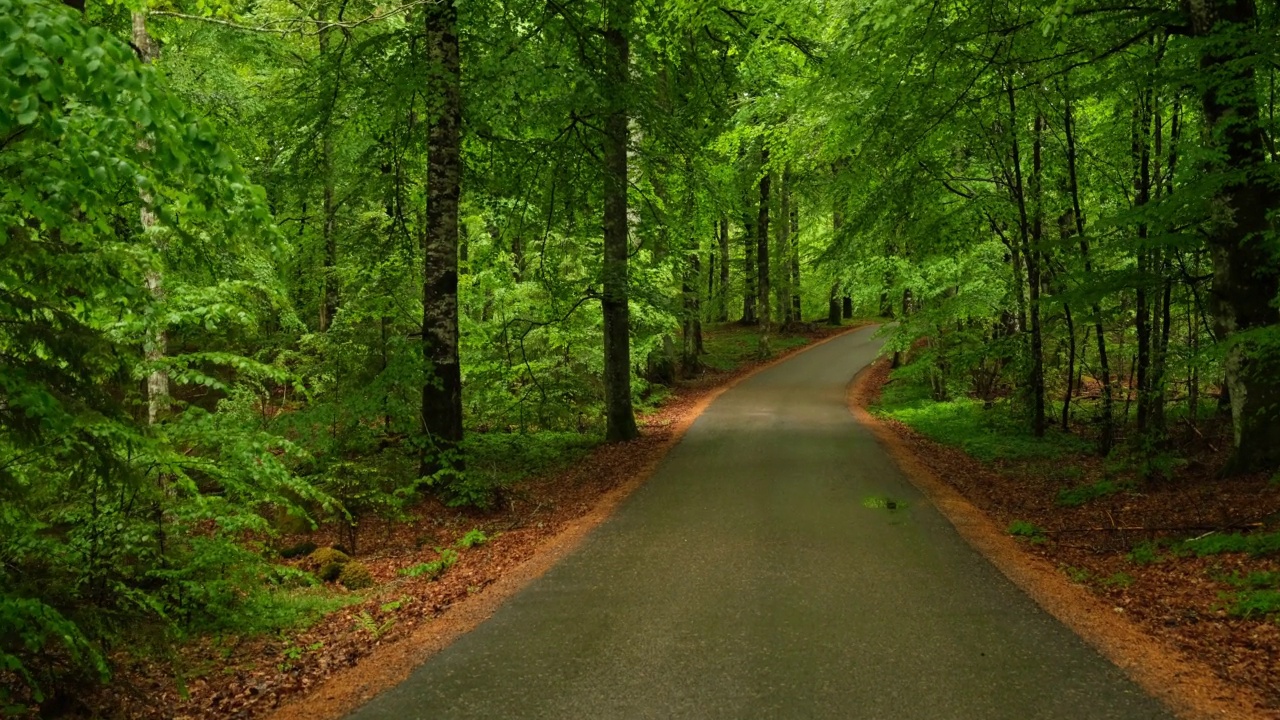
<point>474,538</point>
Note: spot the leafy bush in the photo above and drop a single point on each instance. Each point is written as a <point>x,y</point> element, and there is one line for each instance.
<point>474,537</point>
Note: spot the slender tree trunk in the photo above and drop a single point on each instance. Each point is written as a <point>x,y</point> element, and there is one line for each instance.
<point>796,309</point>
<point>1106,437</point>
<point>158,344</point>
<point>723,298</point>
<point>1030,233</point>
<point>749,270</point>
<point>442,390</point>
<point>762,256</point>
<point>1071,367</point>
<point>328,281</point>
<point>783,289</point>
<point>620,418</point>
<point>1142,188</point>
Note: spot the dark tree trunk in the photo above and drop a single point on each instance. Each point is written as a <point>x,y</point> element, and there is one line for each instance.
<point>1106,437</point>
<point>762,253</point>
<point>846,307</point>
<point>1071,367</point>
<point>722,300</point>
<point>749,269</point>
<point>1142,194</point>
<point>1030,231</point>
<point>620,418</point>
<point>795,263</point>
<point>442,390</point>
<point>1245,274</point>
<point>783,289</point>
<point>328,280</point>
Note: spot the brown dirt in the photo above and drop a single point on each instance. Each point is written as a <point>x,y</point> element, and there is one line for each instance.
<point>1167,628</point>
<point>354,653</point>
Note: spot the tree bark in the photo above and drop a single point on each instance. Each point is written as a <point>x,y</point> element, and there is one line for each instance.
<point>158,344</point>
<point>620,419</point>
<point>1245,274</point>
<point>782,291</point>
<point>796,309</point>
<point>442,388</point>
<point>1106,437</point>
<point>1030,231</point>
<point>749,269</point>
<point>722,300</point>
<point>762,254</point>
<point>329,286</point>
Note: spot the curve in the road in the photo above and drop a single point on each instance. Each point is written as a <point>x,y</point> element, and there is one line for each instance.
<point>759,574</point>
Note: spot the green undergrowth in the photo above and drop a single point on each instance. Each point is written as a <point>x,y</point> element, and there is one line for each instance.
<point>730,345</point>
<point>498,460</point>
<point>988,434</point>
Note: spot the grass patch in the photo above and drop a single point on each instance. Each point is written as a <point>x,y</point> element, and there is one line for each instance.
<point>1255,544</point>
<point>987,434</point>
<point>1254,603</point>
<point>1031,531</point>
<point>1145,553</point>
<point>501,459</point>
<point>729,346</point>
<point>1118,580</point>
<point>272,611</point>
<point>1077,496</point>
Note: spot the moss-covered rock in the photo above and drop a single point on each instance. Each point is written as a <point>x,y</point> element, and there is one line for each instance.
<point>355,576</point>
<point>326,556</point>
<point>330,572</point>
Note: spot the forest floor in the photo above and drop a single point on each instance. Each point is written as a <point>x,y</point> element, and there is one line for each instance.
<point>1192,559</point>
<point>357,643</point>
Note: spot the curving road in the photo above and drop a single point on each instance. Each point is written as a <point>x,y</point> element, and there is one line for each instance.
<point>749,579</point>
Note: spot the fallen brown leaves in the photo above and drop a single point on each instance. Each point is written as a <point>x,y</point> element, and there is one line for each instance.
<point>1165,622</point>
<point>369,646</point>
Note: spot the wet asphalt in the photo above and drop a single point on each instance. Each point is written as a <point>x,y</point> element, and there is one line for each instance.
<point>758,575</point>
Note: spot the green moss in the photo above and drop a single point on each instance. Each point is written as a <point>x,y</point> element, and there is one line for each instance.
<point>355,576</point>
<point>327,556</point>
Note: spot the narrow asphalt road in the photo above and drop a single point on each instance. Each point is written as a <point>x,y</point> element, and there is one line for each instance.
<point>749,579</point>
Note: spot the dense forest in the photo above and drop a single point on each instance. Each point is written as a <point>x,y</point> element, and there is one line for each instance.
<point>268,265</point>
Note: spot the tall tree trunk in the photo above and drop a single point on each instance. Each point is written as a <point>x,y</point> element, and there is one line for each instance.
<point>796,309</point>
<point>1142,193</point>
<point>1245,274</point>
<point>1071,367</point>
<point>328,282</point>
<point>749,269</point>
<point>1106,437</point>
<point>722,300</point>
<point>442,389</point>
<point>762,255</point>
<point>158,344</point>
<point>1030,231</point>
<point>620,418</point>
<point>783,289</point>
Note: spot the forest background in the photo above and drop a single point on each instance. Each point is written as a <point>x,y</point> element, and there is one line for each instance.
<point>274,264</point>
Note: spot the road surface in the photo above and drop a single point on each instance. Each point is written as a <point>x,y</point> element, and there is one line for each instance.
<point>758,575</point>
